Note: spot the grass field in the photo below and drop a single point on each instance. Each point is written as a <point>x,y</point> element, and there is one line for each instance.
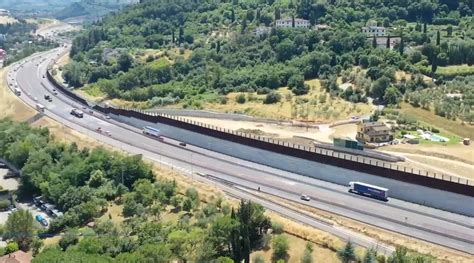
<point>430,119</point>
<point>455,70</point>
<point>316,106</point>
<point>10,105</point>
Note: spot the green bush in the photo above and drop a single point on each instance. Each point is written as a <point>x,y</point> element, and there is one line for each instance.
<point>4,204</point>
<point>434,130</point>
<point>240,99</point>
<point>277,228</point>
<point>272,97</point>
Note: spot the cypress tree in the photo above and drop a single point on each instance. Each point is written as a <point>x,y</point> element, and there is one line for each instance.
<point>401,48</point>
<point>434,65</point>
<point>374,42</point>
<point>388,42</point>
<point>181,35</point>
<point>172,36</point>
<point>277,13</point>
<point>232,15</point>
<point>235,241</point>
<point>293,21</point>
<point>438,38</point>
<point>425,28</point>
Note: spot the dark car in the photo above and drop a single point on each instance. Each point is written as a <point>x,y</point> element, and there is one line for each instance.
<point>182,144</point>
<point>48,98</point>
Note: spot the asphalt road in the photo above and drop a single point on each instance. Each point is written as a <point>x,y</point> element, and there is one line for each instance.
<point>440,227</point>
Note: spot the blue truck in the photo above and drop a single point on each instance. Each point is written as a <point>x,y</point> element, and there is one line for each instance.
<point>369,190</point>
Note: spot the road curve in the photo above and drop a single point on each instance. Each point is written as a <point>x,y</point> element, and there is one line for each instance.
<point>440,227</point>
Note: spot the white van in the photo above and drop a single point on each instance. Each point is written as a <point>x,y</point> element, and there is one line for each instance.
<point>17,91</point>
<point>40,107</point>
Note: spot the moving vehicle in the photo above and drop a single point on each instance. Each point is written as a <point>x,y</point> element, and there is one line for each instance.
<point>17,91</point>
<point>305,198</point>
<point>48,98</point>
<point>182,144</point>
<point>40,107</point>
<point>77,113</point>
<point>151,131</point>
<point>55,92</point>
<point>369,190</point>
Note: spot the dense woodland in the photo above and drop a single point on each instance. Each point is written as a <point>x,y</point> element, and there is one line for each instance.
<point>227,56</point>
<point>83,182</point>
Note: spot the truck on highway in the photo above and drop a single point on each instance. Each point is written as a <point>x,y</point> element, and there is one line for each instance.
<point>369,190</point>
<point>77,113</point>
<point>151,131</point>
<point>17,91</point>
<point>40,107</point>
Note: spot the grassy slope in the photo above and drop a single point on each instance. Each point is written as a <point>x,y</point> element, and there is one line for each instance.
<point>428,117</point>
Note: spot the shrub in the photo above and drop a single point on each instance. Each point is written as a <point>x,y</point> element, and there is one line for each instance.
<point>240,98</point>
<point>4,204</point>
<point>434,130</point>
<point>277,228</point>
<point>11,247</point>
<point>261,91</point>
<point>272,97</point>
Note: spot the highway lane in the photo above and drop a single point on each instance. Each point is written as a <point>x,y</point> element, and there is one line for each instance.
<point>414,225</point>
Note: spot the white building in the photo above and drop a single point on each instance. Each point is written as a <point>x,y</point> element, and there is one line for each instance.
<point>288,23</point>
<point>262,30</point>
<point>378,31</point>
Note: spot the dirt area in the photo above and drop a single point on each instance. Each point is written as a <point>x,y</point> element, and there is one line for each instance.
<point>7,184</point>
<point>316,106</point>
<point>322,133</point>
<point>454,159</point>
<point>7,20</point>
<point>441,253</point>
<point>10,105</point>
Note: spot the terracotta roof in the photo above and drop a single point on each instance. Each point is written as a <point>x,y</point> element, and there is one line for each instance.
<point>16,257</point>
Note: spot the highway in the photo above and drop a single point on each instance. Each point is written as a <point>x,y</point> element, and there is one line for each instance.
<point>234,175</point>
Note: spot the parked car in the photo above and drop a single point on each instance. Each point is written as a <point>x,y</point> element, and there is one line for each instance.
<point>41,220</point>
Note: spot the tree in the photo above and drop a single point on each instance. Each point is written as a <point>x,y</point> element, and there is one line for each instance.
<point>449,30</point>
<point>293,21</point>
<point>401,47</point>
<point>19,228</point>
<point>181,35</point>
<point>347,253</point>
<point>68,239</point>
<point>157,253</point>
<point>36,245</point>
<point>178,244</point>
<point>308,254</point>
<point>434,64</point>
<point>425,28</point>
<point>370,256</point>
<point>392,96</point>
<point>224,260</point>
<point>280,247</point>
<point>277,13</point>
<point>438,38</point>
<point>400,255</point>
<point>124,62</point>
<point>379,86</point>
<point>374,42</point>
<point>96,179</point>
<point>387,45</point>
<point>232,15</point>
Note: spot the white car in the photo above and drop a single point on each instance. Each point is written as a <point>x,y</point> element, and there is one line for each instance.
<point>35,98</point>
<point>305,198</point>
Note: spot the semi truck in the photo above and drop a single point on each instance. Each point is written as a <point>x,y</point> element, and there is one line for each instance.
<point>151,131</point>
<point>373,191</point>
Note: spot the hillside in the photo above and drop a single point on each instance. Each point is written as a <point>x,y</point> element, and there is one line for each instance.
<point>62,9</point>
<point>237,47</point>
